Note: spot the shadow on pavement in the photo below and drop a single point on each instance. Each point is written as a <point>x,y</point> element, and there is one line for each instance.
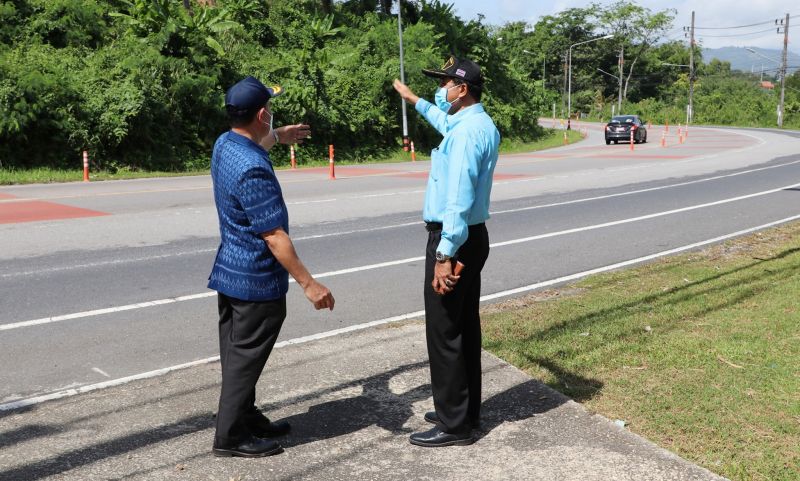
<point>377,405</point>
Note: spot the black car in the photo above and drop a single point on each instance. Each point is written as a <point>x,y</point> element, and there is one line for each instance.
<point>619,129</point>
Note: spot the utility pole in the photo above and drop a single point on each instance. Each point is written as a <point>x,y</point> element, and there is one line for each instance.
<point>690,107</point>
<point>621,68</point>
<point>783,67</point>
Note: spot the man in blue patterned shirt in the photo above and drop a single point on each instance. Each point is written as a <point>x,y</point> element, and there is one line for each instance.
<point>253,264</point>
<point>456,208</point>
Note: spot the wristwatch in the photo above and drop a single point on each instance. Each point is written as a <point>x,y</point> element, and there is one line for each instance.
<point>442,257</point>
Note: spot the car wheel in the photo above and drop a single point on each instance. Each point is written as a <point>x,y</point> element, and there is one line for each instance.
<point>608,142</point>
<point>616,142</point>
<point>645,139</point>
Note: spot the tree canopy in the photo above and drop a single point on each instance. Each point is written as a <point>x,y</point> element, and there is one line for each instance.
<point>140,83</point>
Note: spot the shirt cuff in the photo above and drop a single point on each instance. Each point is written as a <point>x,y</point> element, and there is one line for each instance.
<point>447,248</point>
<point>423,106</point>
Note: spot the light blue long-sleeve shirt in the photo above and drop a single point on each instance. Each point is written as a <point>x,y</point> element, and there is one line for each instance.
<point>462,167</point>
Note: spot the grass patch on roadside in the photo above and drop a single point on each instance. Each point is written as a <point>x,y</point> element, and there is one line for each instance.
<point>699,353</point>
<point>554,138</point>
<point>45,175</point>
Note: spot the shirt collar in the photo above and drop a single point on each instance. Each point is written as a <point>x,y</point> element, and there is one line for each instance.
<point>242,140</point>
<point>465,113</point>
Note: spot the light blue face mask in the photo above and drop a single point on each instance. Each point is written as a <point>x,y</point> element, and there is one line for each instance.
<point>441,99</point>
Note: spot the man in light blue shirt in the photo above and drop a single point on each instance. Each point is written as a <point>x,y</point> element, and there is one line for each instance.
<point>455,211</point>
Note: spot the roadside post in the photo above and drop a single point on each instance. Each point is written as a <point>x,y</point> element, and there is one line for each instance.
<point>85,166</point>
<point>332,174</point>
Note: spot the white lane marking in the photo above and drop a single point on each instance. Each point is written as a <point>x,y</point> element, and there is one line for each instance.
<point>106,263</point>
<point>100,371</point>
<point>348,232</point>
<point>304,202</point>
<point>643,217</point>
<point>351,270</point>
<point>638,260</point>
<point>108,310</point>
<point>411,315</point>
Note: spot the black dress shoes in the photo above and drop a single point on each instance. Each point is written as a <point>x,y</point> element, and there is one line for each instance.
<point>435,438</point>
<point>251,447</point>
<point>261,427</point>
<point>433,418</point>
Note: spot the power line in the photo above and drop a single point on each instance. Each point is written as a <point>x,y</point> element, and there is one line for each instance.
<point>740,34</point>
<point>771,22</point>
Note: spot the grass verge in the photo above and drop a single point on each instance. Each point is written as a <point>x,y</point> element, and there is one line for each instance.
<point>699,353</point>
<point>45,175</point>
<point>48,175</point>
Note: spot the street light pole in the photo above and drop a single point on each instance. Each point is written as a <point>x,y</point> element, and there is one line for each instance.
<point>690,107</point>
<point>569,71</point>
<point>619,79</point>
<point>402,75</point>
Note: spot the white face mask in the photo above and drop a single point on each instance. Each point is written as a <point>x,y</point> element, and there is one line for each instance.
<point>269,124</point>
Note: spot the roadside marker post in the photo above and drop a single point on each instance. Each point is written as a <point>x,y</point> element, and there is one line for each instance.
<point>663,139</point>
<point>85,166</point>
<point>294,159</point>
<point>332,175</point>
<point>566,140</point>
<point>632,131</point>
<point>413,153</point>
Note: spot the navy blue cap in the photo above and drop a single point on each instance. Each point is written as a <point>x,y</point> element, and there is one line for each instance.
<point>249,94</point>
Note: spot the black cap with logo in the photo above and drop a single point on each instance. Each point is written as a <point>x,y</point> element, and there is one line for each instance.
<point>458,68</point>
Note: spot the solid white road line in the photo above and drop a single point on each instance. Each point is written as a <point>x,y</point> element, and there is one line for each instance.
<point>351,270</point>
<point>411,315</point>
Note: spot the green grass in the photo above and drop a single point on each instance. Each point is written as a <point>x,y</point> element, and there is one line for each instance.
<point>48,175</point>
<point>554,138</point>
<point>699,353</point>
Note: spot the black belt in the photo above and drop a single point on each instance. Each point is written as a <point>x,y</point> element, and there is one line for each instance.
<point>437,226</point>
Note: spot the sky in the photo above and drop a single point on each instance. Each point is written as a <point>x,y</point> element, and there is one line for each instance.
<point>708,13</point>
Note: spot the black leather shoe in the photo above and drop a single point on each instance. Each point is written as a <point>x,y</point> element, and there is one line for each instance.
<point>252,447</point>
<point>261,427</point>
<point>436,438</point>
<point>433,418</point>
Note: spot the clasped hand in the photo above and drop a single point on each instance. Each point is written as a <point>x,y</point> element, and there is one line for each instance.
<point>444,281</point>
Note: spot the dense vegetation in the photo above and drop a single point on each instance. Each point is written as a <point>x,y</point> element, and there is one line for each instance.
<point>140,83</point>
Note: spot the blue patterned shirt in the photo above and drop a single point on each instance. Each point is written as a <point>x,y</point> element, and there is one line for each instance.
<point>249,202</point>
<point>460,181</point>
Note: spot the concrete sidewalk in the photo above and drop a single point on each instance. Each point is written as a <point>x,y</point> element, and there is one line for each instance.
<point>352,401</point>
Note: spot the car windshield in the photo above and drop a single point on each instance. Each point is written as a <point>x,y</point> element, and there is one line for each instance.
<point>625,119</point>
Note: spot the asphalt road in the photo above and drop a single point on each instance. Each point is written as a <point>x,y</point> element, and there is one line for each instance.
<point>72,249</point>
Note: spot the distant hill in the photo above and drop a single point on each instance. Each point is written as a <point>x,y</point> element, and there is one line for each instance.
<point>742,59</point>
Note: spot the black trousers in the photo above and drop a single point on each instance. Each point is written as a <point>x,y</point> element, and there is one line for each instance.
<point>247,332</point>
<point>453,331</point>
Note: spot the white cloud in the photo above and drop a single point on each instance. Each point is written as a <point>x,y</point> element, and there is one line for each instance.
<point>708,13</point>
